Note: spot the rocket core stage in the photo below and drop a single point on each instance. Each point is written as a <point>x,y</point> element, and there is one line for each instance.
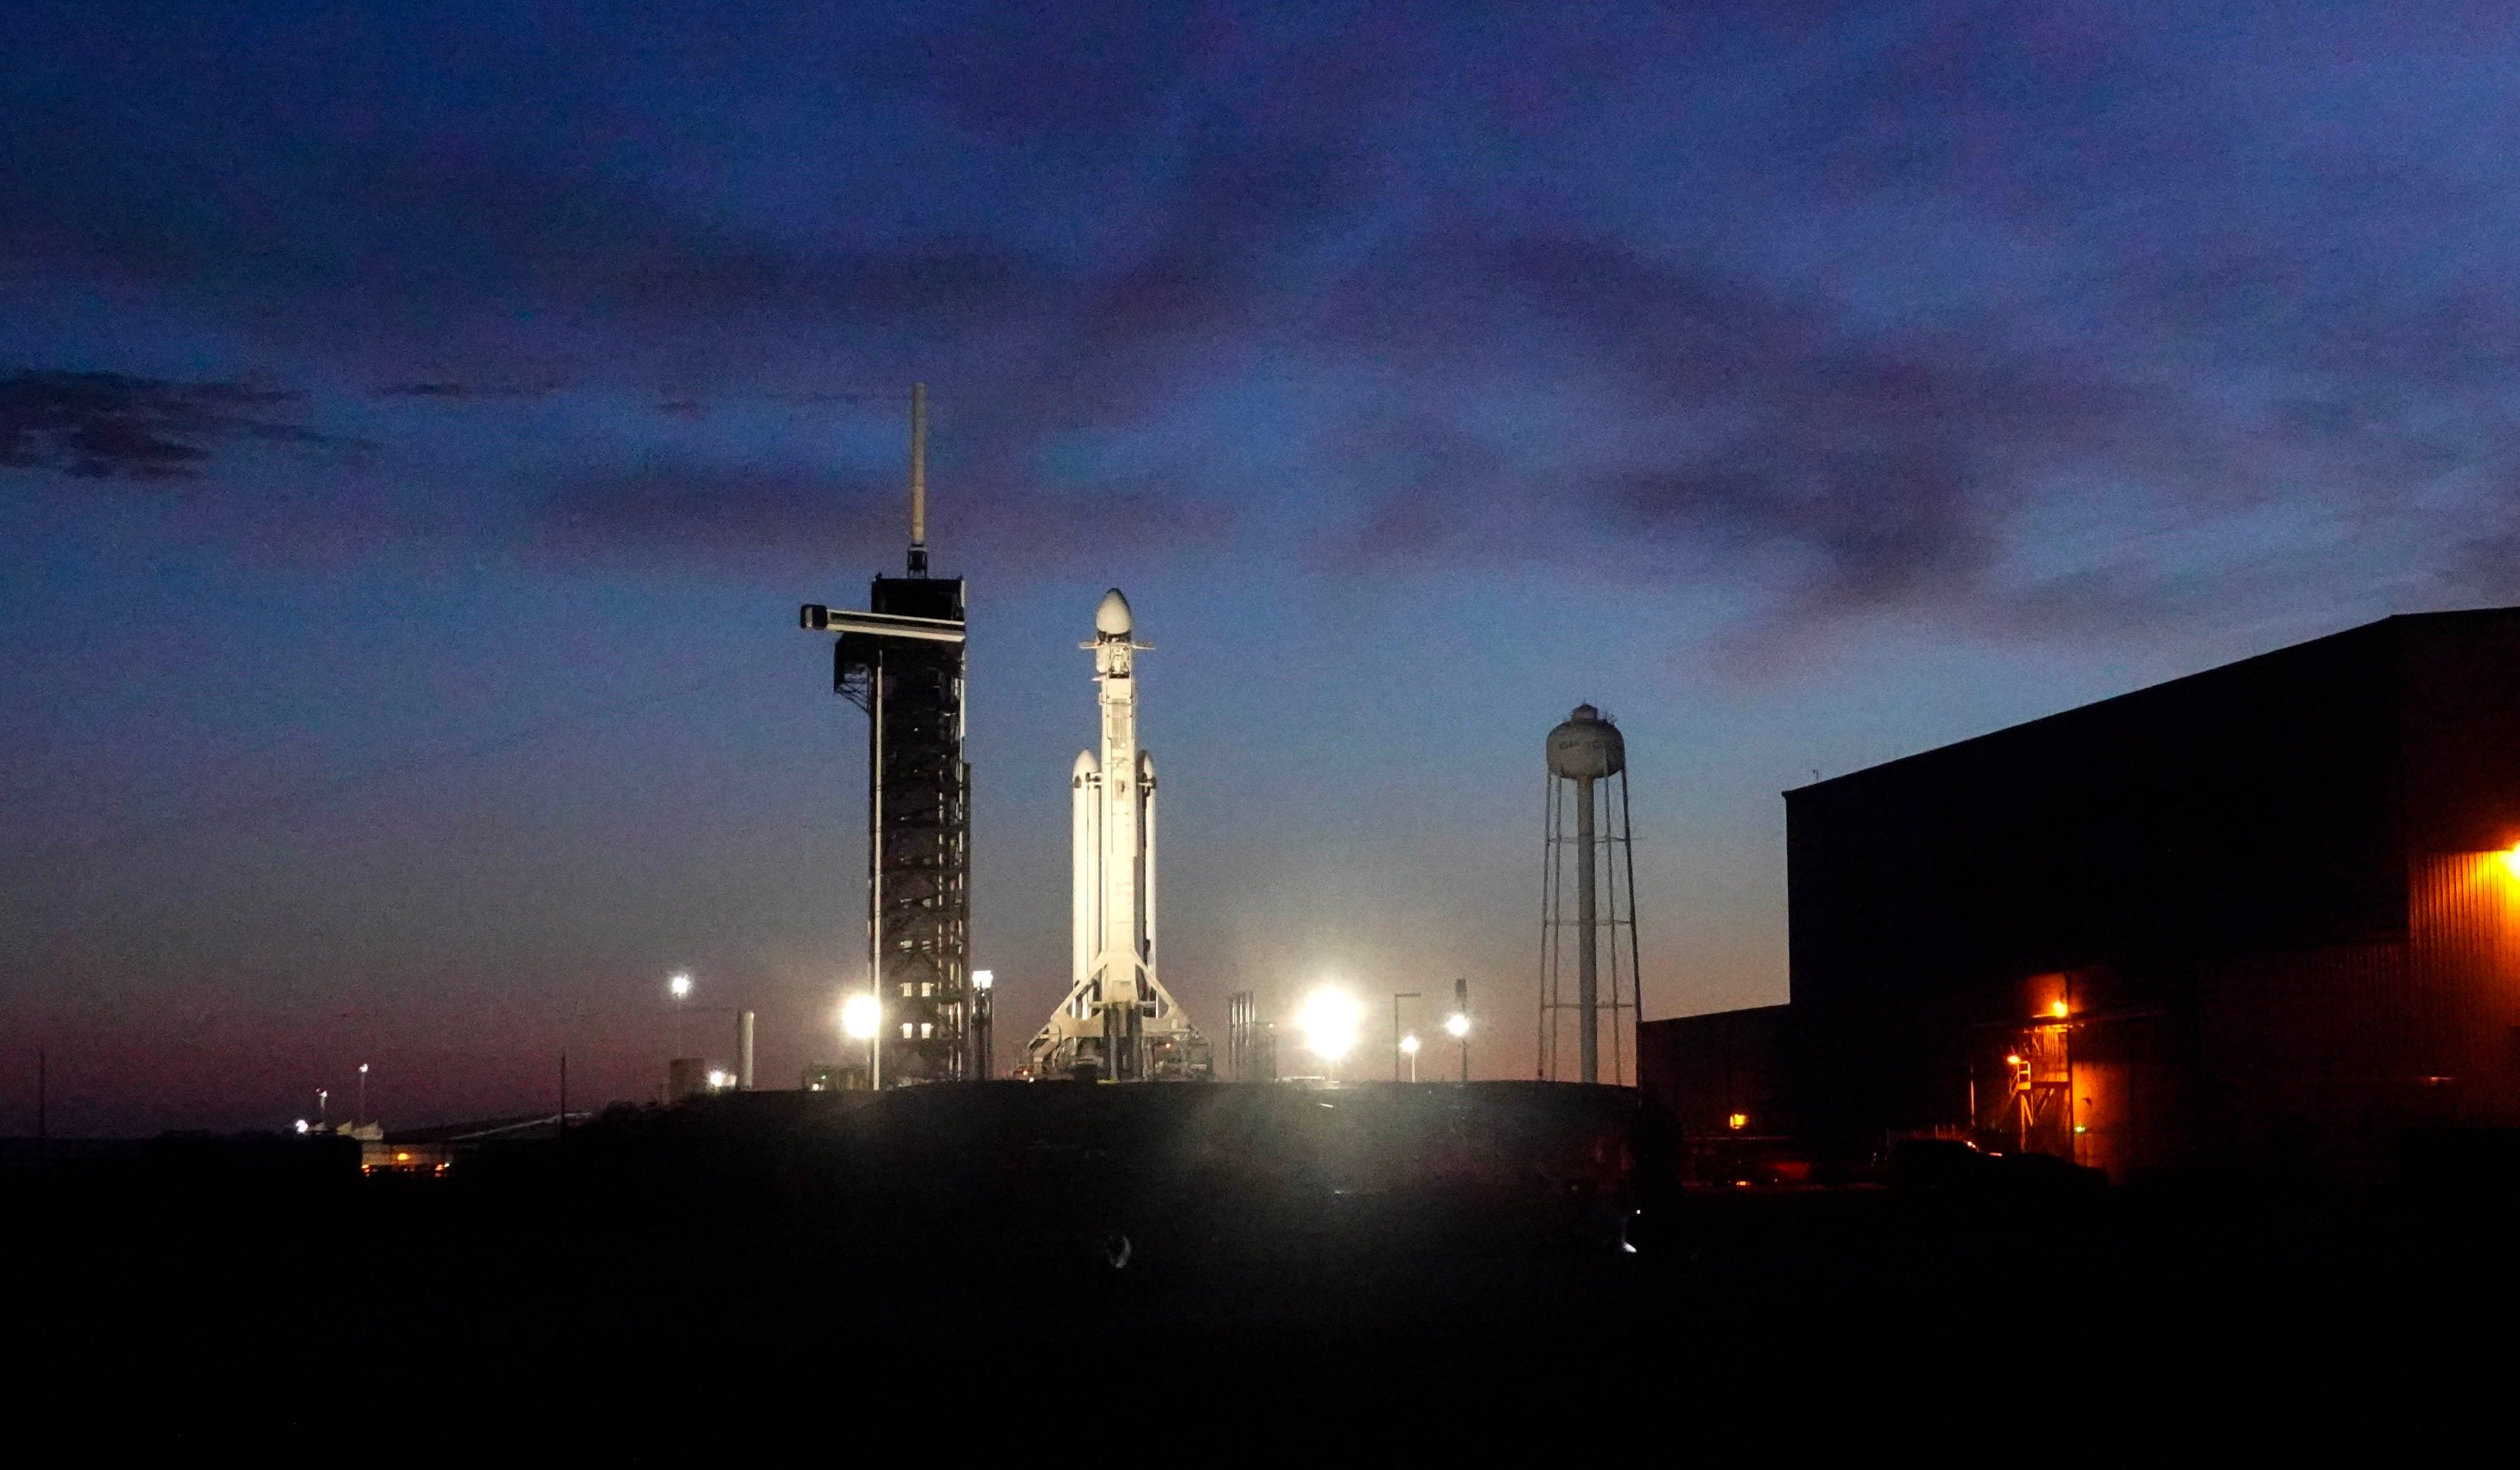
<point>1118,1021</point>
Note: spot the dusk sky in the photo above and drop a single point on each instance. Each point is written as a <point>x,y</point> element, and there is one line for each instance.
<point>419,425</point>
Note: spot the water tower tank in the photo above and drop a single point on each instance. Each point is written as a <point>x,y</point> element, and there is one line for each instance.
<point>1587,747</point>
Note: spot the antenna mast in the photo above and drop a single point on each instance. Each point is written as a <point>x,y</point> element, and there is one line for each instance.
<point>919,479</point>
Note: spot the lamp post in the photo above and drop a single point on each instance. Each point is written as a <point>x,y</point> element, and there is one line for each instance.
<point>1458,1024</point>
<point>981,1041</point>
<point>1409,1048</point>
<point>862,1019</point>
<point>1397,997</point>
<point>680,988</point>
<point>362,1115</point>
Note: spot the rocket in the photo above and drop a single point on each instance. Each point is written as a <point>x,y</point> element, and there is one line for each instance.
<point>1117,1017</point>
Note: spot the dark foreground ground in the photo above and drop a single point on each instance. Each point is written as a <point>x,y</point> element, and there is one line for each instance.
<point>1259,1239</point>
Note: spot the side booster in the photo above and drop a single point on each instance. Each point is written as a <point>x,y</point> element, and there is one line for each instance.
<point>1118,1022</point>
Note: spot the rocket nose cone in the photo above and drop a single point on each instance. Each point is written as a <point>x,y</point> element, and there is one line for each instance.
<point>1112,618</point>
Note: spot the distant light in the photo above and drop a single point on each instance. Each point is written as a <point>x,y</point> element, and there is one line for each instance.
<point>2080,1129</point>
<point>717,1079</point>
<point>1458,1024</point>
<point>1737,1122</point>
<point>983,979</point>
<point>363,1069</point>
<point>301,1126</point>
<point>1328,1021</point>
<point>2012,1058</point>
<point>2059,1009</point>
<point>860,1016</point>
<point>1409,1045</point>
<point>680,985</point>
<point>402,1158</point>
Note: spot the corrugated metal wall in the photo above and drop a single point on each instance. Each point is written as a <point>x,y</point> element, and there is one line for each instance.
<point>2461,1003</point>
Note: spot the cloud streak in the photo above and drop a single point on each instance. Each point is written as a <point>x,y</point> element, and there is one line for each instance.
<point>100,425</point>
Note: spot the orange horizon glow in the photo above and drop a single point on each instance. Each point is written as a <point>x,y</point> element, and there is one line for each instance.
<point>2511,859</point>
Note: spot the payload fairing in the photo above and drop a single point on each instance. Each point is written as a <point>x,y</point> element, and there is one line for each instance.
<point>1118,1021</point>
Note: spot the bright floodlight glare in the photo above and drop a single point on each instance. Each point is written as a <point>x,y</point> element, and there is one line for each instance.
<point>1408,1044</point>
<point>1328,1022</point>
<point>983,979</point>
<point>860,1015</point>
<point>680,985</point>
<point>2511,859</point>
<point>301,1125</point>
<point>1458,1024</point>
<point>717,1079</point>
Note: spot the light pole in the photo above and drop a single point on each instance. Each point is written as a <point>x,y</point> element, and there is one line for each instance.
<point>1408,1047</point>
<point>680,988</point>
<point>861,1019</point>
<point>322,1108</point>
<point>362,1115</point>
<point>1397,997</point>
<point>982,1043</point>
<point>1458,1024</point>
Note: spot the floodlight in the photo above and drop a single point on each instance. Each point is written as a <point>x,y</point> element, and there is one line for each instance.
<point>680,985</point>
<point>1328,1021</point>
<point>860,1016</point>
<point>1457,1025</point>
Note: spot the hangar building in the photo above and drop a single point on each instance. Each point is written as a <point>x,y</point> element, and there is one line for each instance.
<point>2265,917</point>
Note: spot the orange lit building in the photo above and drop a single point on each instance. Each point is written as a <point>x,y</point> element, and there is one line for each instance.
<point>2266,918</point>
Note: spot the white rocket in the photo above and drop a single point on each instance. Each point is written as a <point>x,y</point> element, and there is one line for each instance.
<point>1117,1015</point>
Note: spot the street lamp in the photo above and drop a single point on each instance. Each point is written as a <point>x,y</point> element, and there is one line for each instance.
<point>861,1018</point>
<point>1457,1026</point>
<point>680,988</point>
<point>1397,997</point>
<point>1409,1049</point>
<point>363,1096</point>
<point>981,1041</point>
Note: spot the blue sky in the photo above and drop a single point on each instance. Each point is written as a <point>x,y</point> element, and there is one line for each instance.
<point>416,428</point>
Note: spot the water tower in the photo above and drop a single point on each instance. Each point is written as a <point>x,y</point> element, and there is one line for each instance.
<point>1588,844</point>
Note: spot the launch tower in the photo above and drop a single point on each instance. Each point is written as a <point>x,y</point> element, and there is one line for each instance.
<point>1118,1021</point>
<point>901,662</point>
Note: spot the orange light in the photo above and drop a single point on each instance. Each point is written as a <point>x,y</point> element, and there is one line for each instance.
<point>2511,859</point>
<point>402,1158</point>
<point>2012,1058</point>
<point>2057,1009</point>
<point>1738,1121</point>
